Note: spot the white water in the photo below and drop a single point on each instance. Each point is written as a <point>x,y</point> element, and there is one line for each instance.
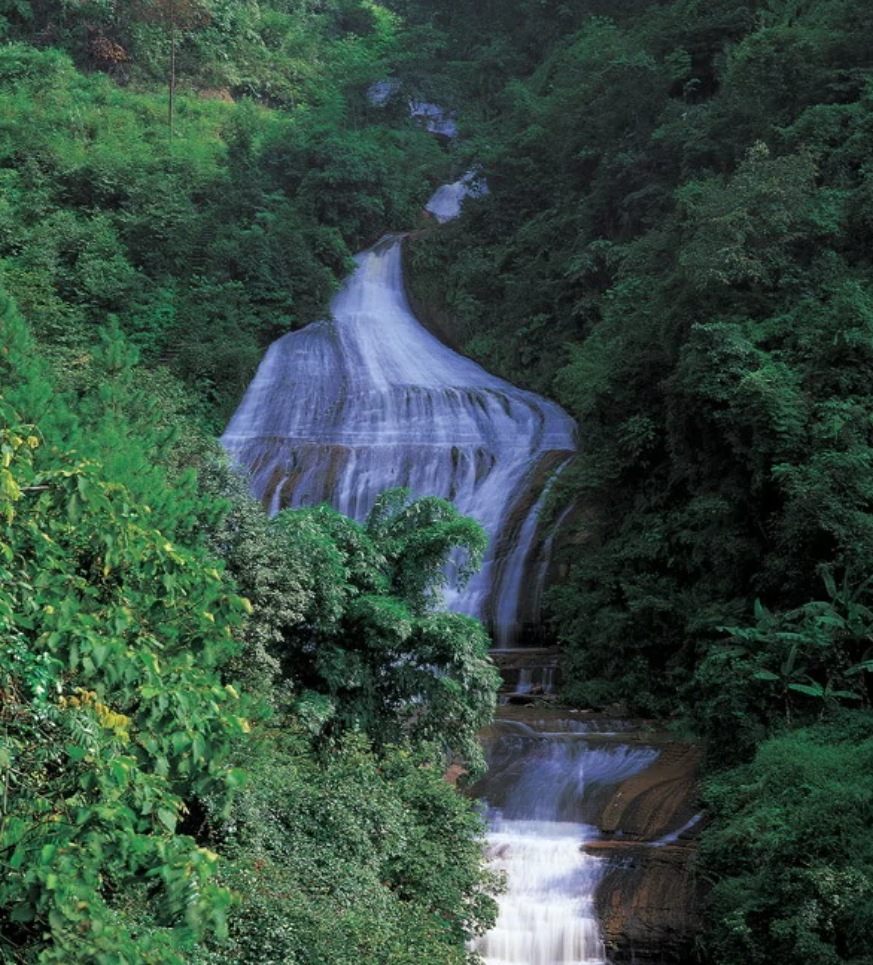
<point>445,205</point>
<point>547,914</point>
<point>367,400</point>
<point>674,836</point>
<point>435,119</point>
<point>542,678</point>
<point>542,779</point>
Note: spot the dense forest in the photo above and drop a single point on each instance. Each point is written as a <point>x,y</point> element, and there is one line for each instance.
<point>207,750</point>
<point>677,246</point>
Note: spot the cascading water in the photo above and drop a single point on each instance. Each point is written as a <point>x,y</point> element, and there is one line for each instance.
<point>445,205</point>
<point>539,680</point>
<point>543,778</point>
<point>368,400</point>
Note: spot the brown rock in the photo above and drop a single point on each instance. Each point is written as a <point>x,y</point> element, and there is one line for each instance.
<point>216,94</point>
<point>648,901</point>
<point>648,905</point>
<point>659,799</point>
<point>454,773</point>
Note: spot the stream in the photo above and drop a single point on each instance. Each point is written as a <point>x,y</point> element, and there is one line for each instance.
<point>368,399</point>
<point>545,782</point>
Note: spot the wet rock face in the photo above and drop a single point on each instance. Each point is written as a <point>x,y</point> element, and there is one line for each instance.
<point>648,901</point>
<point>647,907</point>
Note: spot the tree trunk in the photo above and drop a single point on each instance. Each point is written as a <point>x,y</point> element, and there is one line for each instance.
<point>172,76</point>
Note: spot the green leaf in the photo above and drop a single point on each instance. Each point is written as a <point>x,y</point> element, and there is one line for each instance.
<point>167,817</point>
<point>813,690</point>
<point>844,694</point>
<point>23,912</point>
<point>867,666</point>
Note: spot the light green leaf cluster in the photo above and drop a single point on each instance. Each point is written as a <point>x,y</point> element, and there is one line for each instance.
<point>113,715</point>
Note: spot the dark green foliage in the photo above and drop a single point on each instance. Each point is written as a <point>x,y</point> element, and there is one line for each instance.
<point>205,243</point>
<point>678,197</point>
<point>789,854</point>
<point>677,246</point>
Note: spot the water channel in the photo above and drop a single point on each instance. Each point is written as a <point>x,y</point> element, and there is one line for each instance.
<point>367,399</point>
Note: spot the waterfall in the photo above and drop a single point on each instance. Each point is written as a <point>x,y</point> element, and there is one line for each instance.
<point>445,205</point>
<point>368,399</point>
<point>531,680</point>
<point>544,778</point>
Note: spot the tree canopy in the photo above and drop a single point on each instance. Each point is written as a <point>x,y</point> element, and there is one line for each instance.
<point>676,245</point>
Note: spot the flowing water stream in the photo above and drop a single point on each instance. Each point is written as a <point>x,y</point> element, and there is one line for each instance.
<point>366,400</point>
<point>544,782</point>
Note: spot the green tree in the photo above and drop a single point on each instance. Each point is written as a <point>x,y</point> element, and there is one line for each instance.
<point>787,858</point>
<point>114,716</point>
<point>346,612</point>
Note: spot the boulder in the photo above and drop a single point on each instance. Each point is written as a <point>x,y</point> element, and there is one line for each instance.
<point>648,901</point>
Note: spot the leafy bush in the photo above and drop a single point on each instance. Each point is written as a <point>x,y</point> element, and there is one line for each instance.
<point>789,855</point>
<point>151,810</point>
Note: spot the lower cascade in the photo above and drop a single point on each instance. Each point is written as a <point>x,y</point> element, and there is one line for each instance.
<point>547,915</point>
<point>368,399</point>
<point>544,779</point>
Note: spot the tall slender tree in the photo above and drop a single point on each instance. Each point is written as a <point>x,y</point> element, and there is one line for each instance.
<point>175,18</point>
